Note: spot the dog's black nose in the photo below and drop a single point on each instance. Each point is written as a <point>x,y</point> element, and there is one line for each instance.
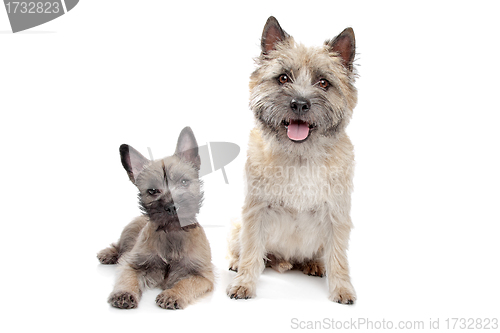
<point>299,106</point>
<point>170,209</point>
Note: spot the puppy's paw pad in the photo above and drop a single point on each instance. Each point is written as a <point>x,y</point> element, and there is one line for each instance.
<point>314,268</point>
<point>169,300</point>
<point>343,296</point>
<point>239,292</point>
<point>123,300</point>
<point>108,256</point>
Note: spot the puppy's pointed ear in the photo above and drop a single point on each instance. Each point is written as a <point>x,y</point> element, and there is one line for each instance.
<point>132,161</point>
<point>271,35</point>
<point>345,47</point>
<point>187,147</point>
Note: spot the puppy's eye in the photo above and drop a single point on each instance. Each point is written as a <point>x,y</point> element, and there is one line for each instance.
<point>184,182</point>
<point>283,79</point>
<point>153,191</point>
<point>323,83</point>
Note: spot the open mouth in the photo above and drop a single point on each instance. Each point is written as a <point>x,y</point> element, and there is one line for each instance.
<point>297,130</point>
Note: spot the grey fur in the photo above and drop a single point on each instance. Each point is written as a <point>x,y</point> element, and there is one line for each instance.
<point>165,247</point>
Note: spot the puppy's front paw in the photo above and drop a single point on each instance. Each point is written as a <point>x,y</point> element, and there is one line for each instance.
<point>343,295</point>
<point>123,300</point>
<point>240,292</point>
<point>168,299</point>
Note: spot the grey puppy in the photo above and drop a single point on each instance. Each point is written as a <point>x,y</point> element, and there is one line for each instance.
<point>165,247</point>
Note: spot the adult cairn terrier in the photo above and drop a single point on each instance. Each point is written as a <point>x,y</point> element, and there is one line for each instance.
<point>165,247</point>
<point>300,164</point>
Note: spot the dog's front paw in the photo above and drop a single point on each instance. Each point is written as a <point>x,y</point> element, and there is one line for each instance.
<point>343,295</point>
<point>240,292</point>
<point>168,299</point>
<point>123,300</point>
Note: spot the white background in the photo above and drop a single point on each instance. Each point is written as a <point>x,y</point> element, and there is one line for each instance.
<point>425,206</point>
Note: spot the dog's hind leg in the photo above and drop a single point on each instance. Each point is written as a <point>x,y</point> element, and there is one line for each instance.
<point>278,264</point>
<point>313,267</point>
<point>110,255</point>
<point>233,253</point>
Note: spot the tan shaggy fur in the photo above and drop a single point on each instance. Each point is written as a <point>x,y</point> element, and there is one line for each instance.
<point>298,197</point>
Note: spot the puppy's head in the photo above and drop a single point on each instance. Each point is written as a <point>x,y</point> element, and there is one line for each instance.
<point>302,96</point>
<point>169,188</point>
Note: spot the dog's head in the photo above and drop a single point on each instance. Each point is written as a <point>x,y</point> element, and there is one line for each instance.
<point>299,95</point>
<point>169,189</point>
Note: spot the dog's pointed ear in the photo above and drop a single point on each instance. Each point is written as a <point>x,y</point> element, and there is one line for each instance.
<point>345,47</point>
<point>132,161</point>
<point>187,147</point>
<point>271,35</point>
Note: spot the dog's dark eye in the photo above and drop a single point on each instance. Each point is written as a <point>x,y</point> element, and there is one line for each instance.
<point>323,83</point>
<point>184,182</point>
<point>283,79</point>
<point>153,191</point>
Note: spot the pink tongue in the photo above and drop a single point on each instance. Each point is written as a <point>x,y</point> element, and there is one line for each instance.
<point>298,130</point>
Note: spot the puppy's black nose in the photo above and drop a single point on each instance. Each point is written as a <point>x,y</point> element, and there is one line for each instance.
<point>170,209</point>
<point>299,106</point>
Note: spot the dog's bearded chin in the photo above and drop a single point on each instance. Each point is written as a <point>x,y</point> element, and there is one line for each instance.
<point>297,130</point>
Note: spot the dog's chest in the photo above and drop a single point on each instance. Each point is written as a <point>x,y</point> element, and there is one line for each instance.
<point>294,235</point>
<point>303,187</point>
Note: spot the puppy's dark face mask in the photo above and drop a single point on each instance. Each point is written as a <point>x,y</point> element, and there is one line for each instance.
<point>169,189</point>
<point>170,194</point>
